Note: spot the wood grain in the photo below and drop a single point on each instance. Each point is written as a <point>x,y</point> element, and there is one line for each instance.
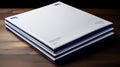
<point>15,52</point>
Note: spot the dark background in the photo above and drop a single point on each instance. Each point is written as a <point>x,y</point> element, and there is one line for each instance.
<point>76,3</point>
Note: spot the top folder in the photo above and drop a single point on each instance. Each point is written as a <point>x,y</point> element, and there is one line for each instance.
<point>57,24</point>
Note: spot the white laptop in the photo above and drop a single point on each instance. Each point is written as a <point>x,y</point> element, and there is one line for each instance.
<point>59,30</point>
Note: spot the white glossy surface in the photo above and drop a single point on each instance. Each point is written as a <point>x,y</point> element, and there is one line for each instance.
<point>56,25</point>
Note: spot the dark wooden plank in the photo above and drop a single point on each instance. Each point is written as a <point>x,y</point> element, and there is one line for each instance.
<point>97,11</point>
<point>2,23</point>
<point>7,36</point>
<point>24,61</point>
<point>16,53</point>
<point>11,48</point>
<point>14,10</point>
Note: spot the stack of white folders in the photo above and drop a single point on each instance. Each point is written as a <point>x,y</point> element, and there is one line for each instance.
<point>59,40</point>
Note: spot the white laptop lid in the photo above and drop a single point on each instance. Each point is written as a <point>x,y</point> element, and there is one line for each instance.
<point>57,23</point>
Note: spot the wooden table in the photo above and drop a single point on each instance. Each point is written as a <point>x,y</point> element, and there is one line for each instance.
<point>14,52</point>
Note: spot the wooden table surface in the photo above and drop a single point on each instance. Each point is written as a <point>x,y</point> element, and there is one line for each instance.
<point>14,52</point>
